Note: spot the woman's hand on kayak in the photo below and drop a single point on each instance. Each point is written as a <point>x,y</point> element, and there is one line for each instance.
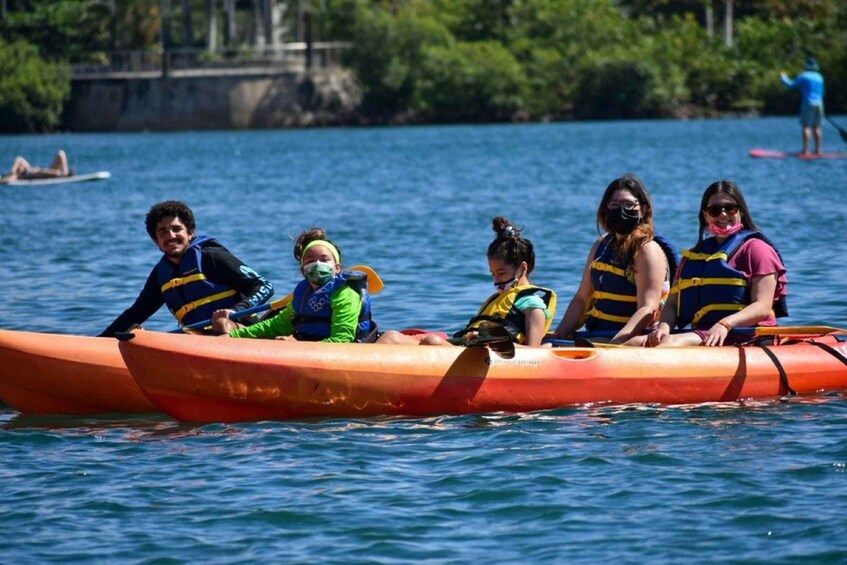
<point>655,337</point>
<point>716,336</point>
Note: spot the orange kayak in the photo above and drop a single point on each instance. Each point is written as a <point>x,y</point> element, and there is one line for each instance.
<point>61,374</point>
<point>205,379</point>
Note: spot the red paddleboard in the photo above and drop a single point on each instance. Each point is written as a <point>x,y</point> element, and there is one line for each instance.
<point>774,154</point>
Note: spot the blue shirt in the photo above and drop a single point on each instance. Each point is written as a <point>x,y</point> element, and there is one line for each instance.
<point>810,84</point>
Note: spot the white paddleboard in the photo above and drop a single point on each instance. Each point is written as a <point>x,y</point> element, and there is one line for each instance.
<point>100,175</point>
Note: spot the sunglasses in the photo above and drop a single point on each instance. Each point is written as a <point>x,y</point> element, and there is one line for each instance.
<point>628,205</point>
<point>715,209</point>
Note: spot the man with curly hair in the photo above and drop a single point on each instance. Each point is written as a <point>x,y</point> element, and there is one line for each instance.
<point>195,277</point>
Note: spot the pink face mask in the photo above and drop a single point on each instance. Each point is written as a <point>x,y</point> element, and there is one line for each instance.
<point>715,229</point>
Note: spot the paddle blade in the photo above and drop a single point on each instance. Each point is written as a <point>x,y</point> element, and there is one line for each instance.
<point>493,336</point>
<point>375,285</point>
<point>797,330</point>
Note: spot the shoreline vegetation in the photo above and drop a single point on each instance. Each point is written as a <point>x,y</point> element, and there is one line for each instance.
<point>454,61</point>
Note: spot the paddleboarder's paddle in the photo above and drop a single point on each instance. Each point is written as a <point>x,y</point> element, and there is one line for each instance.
<point>841,130</point>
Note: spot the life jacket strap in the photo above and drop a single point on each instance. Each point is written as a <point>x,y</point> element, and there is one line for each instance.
<point>600,295</point>
<point>182,281</point>
<point>705,281</point>
<point>595,313</point>
<point>191,306</point>
<point>712,307</point>
<point>694,256</point>
<point>606,267</point>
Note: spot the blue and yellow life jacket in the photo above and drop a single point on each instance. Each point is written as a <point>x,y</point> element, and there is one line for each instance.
<point>709,289</point>
<point>313,307</point>
<point>615,297</point>
<point>189,295</point>
<point>499,308</point>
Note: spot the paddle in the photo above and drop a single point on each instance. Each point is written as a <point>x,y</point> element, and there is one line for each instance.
<point>583,342</point>
<point>493,336</point>
<point>841,131</point>
<point>793,330</point>
<point>580,341</point>
<point>375,285</point>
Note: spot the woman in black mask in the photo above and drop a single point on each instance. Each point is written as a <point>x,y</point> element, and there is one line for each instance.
<point>627,276</point>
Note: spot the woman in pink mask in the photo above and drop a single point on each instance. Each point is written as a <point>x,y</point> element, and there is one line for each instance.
<point>734,277</point>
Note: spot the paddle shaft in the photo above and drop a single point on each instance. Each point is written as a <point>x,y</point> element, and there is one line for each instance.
<point>841,130</point>
<point>753,330</point>
<point>375,285</point>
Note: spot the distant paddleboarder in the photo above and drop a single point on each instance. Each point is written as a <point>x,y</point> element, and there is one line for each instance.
<point>811,85</point>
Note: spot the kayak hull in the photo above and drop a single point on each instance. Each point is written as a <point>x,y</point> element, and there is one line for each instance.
<point>200,379</point>
<point>61,374</point>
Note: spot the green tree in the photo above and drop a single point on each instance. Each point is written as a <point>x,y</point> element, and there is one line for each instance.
<point>32,90</point>
<point>619,90</point>
<point>469,81</point>
<point>553,40</point>
<point>75,30</point>
<point>476,20</point>
<point>386,56</point>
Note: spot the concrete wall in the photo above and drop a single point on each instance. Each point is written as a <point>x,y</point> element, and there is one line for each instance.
<point>213,101</point>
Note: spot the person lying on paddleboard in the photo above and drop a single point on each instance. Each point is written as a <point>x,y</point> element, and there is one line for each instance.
<point>195,277</point>
<point>627,276</point>
<point>22,170</point>
<point>523,309</point>
<point>329,304</point>
<point>734,277</point>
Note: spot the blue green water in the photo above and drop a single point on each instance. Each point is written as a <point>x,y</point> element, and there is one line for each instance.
<point>755,482</point>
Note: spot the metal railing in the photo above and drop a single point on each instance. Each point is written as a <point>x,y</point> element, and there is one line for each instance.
<point>263,58</point>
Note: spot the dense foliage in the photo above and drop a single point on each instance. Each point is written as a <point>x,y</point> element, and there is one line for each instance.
<point>506,59</point>
<point>32,91</point>
<point>474,60</point>
<point>62,29</point>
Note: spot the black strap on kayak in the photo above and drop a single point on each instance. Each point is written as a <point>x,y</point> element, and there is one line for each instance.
<point>783,376</point>
<point>831,350</point>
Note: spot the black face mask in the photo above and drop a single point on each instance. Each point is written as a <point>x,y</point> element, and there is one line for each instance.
<point>622,221</point>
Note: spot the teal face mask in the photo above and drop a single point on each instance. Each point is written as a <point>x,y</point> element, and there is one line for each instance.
<point>319,273</point>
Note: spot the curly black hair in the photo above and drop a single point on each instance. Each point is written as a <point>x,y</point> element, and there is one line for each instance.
<point>168,209</point>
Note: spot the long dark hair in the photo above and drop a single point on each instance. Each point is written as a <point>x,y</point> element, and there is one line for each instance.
<point>730,189</point>
<point>509,246</point>
<point>644,231</point>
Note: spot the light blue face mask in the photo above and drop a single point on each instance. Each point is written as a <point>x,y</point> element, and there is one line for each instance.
<point>319,273</point>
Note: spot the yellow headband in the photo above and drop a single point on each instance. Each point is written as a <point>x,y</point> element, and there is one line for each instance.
<point>326,244</point>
